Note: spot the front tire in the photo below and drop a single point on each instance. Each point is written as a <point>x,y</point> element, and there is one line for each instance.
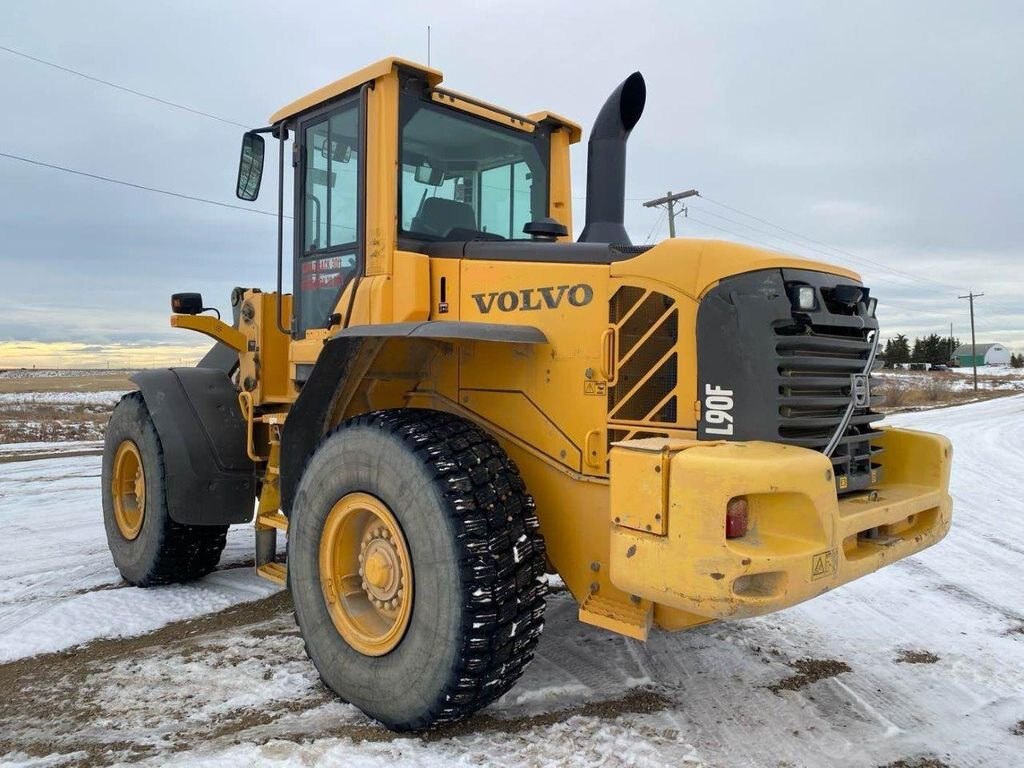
<point>147,546</point>
<point>448,615</point>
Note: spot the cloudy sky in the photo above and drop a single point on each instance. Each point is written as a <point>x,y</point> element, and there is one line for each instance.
<point>887,137</point>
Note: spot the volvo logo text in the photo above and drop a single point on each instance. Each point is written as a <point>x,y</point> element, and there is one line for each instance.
<point>529,299</point>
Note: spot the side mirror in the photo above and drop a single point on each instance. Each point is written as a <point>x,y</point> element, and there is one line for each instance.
<point>250,166</point>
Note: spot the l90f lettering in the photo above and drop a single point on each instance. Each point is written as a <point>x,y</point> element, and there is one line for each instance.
<point>717,410</point>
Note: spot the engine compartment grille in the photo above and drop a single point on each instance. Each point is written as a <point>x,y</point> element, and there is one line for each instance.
<point>645,390</point>
<point>782,347</point>
<point>814,366</point>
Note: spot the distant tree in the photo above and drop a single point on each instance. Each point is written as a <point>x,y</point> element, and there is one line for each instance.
<point>1017,361</point>
<point>919,353</point>
<point>897,351</point>
<point>933,349</point>
<point>949,346</point>
<point>936,349</point>
<point>887,354</point>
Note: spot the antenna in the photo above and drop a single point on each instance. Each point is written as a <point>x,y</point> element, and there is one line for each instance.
<point>428,45</point>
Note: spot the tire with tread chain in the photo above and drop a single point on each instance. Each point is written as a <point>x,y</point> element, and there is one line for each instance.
<point>477,565</point>
<point>161,551</point>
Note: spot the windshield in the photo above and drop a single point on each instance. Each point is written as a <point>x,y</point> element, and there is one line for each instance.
<point>465,178</point>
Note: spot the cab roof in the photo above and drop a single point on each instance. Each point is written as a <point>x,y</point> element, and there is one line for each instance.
<point>365,75</point>
<point>382,68</point>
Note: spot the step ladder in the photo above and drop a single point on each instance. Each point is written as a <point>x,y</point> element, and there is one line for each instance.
<point>269,519</point>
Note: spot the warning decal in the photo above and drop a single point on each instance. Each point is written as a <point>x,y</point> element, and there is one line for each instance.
<point>822,565</point>
<point>594,387</point>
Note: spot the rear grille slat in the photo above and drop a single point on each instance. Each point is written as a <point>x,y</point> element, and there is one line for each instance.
<point>828,423</point>
<point>793,401</point>
<point>820,364</point>
<point>831,344</point>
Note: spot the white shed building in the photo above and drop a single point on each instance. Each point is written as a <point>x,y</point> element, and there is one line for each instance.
<point>987,354</point>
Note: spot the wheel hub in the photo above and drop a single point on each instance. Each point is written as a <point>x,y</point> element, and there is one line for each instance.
<point>128,489</point>
<point>366,574</point>
<point>380,569</point>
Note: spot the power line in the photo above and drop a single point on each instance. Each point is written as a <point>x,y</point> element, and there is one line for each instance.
<point>143,187</point>
<point>656,227</point>
<point>731,232</point>
<point>830,254</point>
<point>124,88</point>
<point>827,245</point>
<point>764,232</point>
<point>886,305</point>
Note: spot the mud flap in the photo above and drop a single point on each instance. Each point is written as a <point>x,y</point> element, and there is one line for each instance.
<point>210,478</point>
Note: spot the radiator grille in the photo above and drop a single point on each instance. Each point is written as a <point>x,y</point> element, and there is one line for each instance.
<point>785,365</point>
<point>814,368</point>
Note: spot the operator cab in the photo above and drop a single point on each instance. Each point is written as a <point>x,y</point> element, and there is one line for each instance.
<point>387,161</point>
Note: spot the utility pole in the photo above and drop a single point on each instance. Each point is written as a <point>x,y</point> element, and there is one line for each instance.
<point>670,200</point>
<point>950,342</point>
<point>974,351</point>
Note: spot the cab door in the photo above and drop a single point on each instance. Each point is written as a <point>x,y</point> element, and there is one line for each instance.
<point>329,184</point>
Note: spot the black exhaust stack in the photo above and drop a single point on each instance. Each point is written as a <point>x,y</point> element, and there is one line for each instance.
<point>606,162</point>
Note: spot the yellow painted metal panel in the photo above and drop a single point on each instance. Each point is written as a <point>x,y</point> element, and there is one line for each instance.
<point>801,540</point>
<point>693,266</point>
<point>381,176</point>
<point>560,181</point>
<point>212,327</point>
<point>513,412</point>
<point>482,109</point>
<point>568,302</point>
<point>266,363</point>
<point>574,130</point>
<point>411,291</point>
<point>444,289</point>
<point>642,503</point>
<point>367,74</point>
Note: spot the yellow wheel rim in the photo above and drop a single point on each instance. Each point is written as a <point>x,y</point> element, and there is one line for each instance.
<point>129,490</point>
<point>366,574</point>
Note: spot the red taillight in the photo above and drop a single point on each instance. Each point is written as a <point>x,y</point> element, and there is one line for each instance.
<point>736,517</point>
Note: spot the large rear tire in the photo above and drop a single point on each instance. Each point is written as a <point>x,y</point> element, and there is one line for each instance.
<point>416,567</point>
<point>147,546</point>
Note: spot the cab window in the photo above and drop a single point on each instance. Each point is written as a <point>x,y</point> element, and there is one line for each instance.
<point>465,178</point>
<point>330,188</point>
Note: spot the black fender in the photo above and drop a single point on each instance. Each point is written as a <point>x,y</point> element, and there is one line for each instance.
<point>346,353</point>
<point>210,478</point>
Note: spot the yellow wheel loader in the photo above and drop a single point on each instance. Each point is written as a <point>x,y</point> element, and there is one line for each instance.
<point>456,398</point>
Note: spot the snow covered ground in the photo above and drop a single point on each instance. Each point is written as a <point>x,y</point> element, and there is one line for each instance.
<point>997,378</point>
<point>59,587</point>
<point>62,373</point>
<point>923,661</point>
<point>108,399</point>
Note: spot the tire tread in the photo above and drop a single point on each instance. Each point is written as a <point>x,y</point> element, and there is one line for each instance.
<point>501,555</point>
<point>183,552</point>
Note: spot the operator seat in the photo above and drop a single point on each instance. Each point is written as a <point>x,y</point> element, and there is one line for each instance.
<point>438,216</point>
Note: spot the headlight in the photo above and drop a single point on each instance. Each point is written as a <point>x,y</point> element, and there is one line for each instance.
<point>803,297</point>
